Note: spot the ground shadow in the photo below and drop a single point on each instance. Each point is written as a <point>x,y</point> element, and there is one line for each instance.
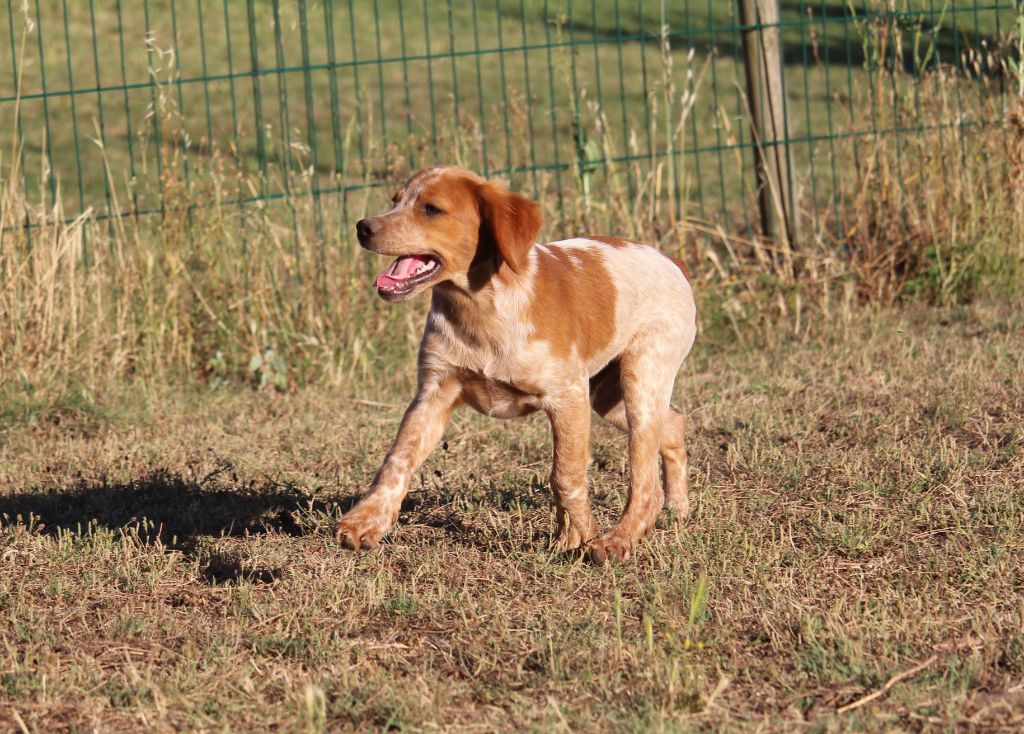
<point>435,509</point>
<point>173,510</point>
<point>181,513</point>
<point>477,537</point>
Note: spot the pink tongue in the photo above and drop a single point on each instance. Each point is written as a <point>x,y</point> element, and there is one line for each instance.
<point>401,269</point>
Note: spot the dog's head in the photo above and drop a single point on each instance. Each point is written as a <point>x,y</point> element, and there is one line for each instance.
<point>449,225</point>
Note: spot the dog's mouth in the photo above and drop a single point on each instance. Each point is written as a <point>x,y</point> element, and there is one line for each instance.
<point>405,276</point>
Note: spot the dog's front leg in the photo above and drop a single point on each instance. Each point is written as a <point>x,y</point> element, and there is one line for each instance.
<point>421,429</point>
<point>570,427</point>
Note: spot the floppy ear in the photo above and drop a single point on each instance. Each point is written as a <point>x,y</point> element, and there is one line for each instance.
<point>512,221</point>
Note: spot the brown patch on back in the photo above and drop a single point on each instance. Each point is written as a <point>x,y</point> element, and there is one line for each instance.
<point>619,242</point>
<point>611,241</point>
<point>573,305</point>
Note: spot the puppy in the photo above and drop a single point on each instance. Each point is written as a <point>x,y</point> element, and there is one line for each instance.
<point>515,327</point>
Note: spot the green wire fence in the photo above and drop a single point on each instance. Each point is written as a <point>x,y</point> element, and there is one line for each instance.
<point>134,109</point>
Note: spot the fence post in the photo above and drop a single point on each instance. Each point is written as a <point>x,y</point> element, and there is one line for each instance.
<point>769,124</point>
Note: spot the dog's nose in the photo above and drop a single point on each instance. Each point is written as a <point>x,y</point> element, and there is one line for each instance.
<point>366,229</point>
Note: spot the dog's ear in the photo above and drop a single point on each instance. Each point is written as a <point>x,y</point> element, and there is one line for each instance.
<point>511,221</point>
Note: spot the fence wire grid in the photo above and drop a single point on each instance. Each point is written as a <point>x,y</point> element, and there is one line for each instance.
<point>113,109</point>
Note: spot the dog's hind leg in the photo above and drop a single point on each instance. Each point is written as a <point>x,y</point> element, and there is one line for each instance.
<point>606,399</point>
<point>647,372</point>
<point>674,464</point>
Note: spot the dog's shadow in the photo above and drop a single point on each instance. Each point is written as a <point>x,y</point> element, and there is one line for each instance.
<point>434,508</point>
<point>187,515</point>
<point>179,513</point>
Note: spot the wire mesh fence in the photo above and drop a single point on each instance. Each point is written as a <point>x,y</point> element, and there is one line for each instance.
<point>115,109</point>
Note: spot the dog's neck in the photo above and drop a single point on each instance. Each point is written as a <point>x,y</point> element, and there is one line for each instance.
<point>465,306</point>
<point>479,314</point>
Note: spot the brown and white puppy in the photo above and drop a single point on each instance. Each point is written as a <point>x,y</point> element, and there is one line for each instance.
<point>516,327</point>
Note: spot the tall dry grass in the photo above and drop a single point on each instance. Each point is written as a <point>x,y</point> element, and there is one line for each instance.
<point>278,292</point>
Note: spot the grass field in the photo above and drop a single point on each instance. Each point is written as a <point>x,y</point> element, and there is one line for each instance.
<point>189,400</point>
<point>166,559</point>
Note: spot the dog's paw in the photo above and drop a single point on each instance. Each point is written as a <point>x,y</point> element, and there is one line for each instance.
<point>677,507</point>
<point>362,528</point>
<point>571,539</point>
<point>571,535</point>
<point>610,547</point>
<point>675,515</point>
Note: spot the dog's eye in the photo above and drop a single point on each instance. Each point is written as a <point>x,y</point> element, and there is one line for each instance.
<point>395,198</point>
<point>432,210</point>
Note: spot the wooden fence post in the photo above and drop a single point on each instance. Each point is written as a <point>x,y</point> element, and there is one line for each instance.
<point>769,124</point>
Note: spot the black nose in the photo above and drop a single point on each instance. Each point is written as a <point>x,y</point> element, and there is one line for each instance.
<point>366,229</point>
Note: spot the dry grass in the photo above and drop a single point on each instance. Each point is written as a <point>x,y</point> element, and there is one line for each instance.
<point>277,291</point>
<point>187,404</point>
<point>166,560</point>
<point>205,290</point>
